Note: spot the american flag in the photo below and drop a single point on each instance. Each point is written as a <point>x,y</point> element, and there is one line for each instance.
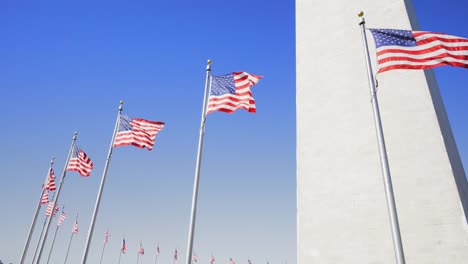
<point>50,184</point>
<point>80,162</point>
<point>231,261</point>
<point>45,196</point>
<point>212,260</point>
<point>75,228</point>
<point>124,247</point>
<point>62,218</point>
<point>49,209</point>
<point>249,261</point>
<point>405,49</point>
<point>157,250</point>
<point>106,239</point>
<point>138,132</point>
<point>141,251</point>
<point>195,258</point>
<point>175,254</point>
<point>231,92</point>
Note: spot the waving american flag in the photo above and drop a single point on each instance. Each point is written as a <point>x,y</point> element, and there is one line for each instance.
<point>80,162</point>
<point>138,132</point>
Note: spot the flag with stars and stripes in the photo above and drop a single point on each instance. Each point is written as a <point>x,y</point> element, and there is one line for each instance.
<point>75,228</point>
<point>49,209</point>
<point>80,162</point>
<point>141,251</point>
<point>106,239</point>
<point>175,254</point>
<point>212,260</point>
<point>405,49</point>
<point>50,184</point>
<point>157,250</point>
<point>138,132</point>
<point>62,218</point>
<point>231,92</point>
<point>124,246</point>
<point>195,258</point>
<point>231,261</point>
<point>45,196</point>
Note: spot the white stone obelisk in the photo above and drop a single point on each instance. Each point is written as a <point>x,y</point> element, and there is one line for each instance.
<point>341,208</point>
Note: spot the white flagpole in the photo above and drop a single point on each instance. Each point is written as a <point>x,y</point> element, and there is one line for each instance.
<point>40,237</point>
<point>395,227</point>
<point>69,243</point>
<point>138,256</point>
<point>101,187</point>
<point>53,240</point>
<point>57,194</point>
<point>198,164</point>
<point>102,254</point>
<point>38,209</point>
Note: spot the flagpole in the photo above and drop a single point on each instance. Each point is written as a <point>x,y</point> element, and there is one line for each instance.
<point>197,166</point>
<point>39,241</point>
<point>138,257</point>
<point>57,194</point>
<point>101,187</point>
<point>69,243</point>
<point>53,240</point>
<point>395,227</point>
<point>42,232</point>
<point>102,254</point>
<point>38,208</point>
<point>120,255</point>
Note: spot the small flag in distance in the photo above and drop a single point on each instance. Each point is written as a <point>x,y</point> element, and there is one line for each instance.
<point>80,162</point>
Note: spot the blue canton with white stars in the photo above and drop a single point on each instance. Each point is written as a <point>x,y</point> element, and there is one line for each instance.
<point>222,85</point>
<point>393,37</point>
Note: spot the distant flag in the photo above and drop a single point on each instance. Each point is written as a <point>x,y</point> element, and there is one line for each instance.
<point>75,228</point>
<point>106,239</point>
<point>141,251</point>
<point>124,247</point>
<point>49,209</point>
<point>175,254</point>
<point>212,260</point>
<point>80,162</point>
<point>50,206</point>
<point>62,218</point>
<point>56,210</point>
<point>195,258</point>
<point>405,49</point>
<point>138,132</point>
<point>157,250</point>
<point>45,197</point>
<point>249,261</point>
<point>231,261</point>
<point>50,185</point>
<point>231,92</point>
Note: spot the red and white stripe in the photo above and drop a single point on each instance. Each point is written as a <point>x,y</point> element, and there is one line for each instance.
<point>62,218</point>
<point>212,260</point>
<point>242,98</point>
<point>75,228</point>
<point>432,50</point>
<point>45,196</point>
<point>49,209</point>
<point>142,133</point>
<point>51,181</point>
<point>80,162</point>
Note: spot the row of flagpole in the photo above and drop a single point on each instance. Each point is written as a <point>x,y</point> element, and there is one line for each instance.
<point>226,98</point>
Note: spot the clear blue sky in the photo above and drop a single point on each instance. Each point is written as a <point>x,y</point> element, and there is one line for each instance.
<point>65,67</point>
